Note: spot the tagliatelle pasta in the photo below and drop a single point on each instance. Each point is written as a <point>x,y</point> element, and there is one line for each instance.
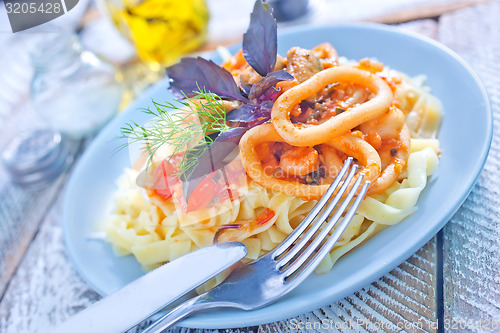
<point>385,120</point>
<point>150,229</point>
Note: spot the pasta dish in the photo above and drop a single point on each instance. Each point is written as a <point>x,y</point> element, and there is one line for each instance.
<point>385,120</point>
<point>282,161</point>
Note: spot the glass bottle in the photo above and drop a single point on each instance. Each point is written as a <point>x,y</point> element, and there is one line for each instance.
<point>161,30</point>
<point>73,90</point>
<point>75,93</point>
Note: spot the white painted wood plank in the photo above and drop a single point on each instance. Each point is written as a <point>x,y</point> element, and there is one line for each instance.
<point>234,14</point>
<point>21,209</point>
<point>472,237</point>
<point>45,289</point>
<point>21,212</point>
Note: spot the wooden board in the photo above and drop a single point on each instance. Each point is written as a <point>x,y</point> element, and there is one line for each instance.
<point>472,237</point>
<point>45,289</point>
<point>228,13</point>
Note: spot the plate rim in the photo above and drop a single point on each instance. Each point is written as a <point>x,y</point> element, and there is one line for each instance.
<point>257,317</point>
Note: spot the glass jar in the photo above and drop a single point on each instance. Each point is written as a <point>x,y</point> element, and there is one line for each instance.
<point>35,159</point>
<point>73,90</point>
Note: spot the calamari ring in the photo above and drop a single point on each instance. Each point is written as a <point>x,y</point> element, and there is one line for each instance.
<point>308,136</point>
<point>392,171</point>
<point>347,143</point>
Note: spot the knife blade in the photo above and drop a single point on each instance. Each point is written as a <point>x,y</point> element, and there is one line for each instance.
<point>153,291</point>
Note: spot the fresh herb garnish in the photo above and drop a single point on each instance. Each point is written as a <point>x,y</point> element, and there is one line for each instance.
<point>261,99</point>
<point>190,74</point>
<point>185,130</point>
<point>213,158</point>
<point>260,42</point>
<point>200,78</point>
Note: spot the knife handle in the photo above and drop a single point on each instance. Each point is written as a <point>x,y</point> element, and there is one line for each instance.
<point>147,295</point>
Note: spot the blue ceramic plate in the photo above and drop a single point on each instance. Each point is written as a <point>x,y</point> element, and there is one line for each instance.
<point>465,138</point>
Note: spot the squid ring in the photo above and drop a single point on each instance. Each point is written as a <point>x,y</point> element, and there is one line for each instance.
<point>347,143</point>
<point>303,135</point>
<point>392,171</point>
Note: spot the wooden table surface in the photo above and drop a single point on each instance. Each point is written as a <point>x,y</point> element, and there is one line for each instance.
<point>452,284</point>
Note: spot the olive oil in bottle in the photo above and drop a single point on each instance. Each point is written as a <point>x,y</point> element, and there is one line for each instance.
<point>161,30</point>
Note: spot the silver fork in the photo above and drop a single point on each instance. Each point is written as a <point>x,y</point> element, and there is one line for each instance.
<point>263,281</point>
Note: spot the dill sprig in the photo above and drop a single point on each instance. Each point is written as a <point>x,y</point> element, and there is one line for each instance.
<point>184,125</point>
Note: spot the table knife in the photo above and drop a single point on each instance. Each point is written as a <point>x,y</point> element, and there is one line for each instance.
<point>153,291</point>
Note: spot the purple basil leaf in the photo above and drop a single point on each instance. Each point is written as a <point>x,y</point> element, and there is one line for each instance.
<point>246,113</point>
<point>212,159</point>
<point>265,109</point>
<point>224,144</point>
<point>245,88</point>
<point>260,42</point>
<point>264,89</point>
<point>192,74</point>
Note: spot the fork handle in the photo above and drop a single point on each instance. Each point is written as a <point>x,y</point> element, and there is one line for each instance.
<point>175,315</point>
<point>190,306</point>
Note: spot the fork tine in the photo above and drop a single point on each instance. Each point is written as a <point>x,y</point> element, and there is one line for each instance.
<point>306,255</point>
<point>328,246</point>
<point>310,233</point>
<point>287,243</point>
